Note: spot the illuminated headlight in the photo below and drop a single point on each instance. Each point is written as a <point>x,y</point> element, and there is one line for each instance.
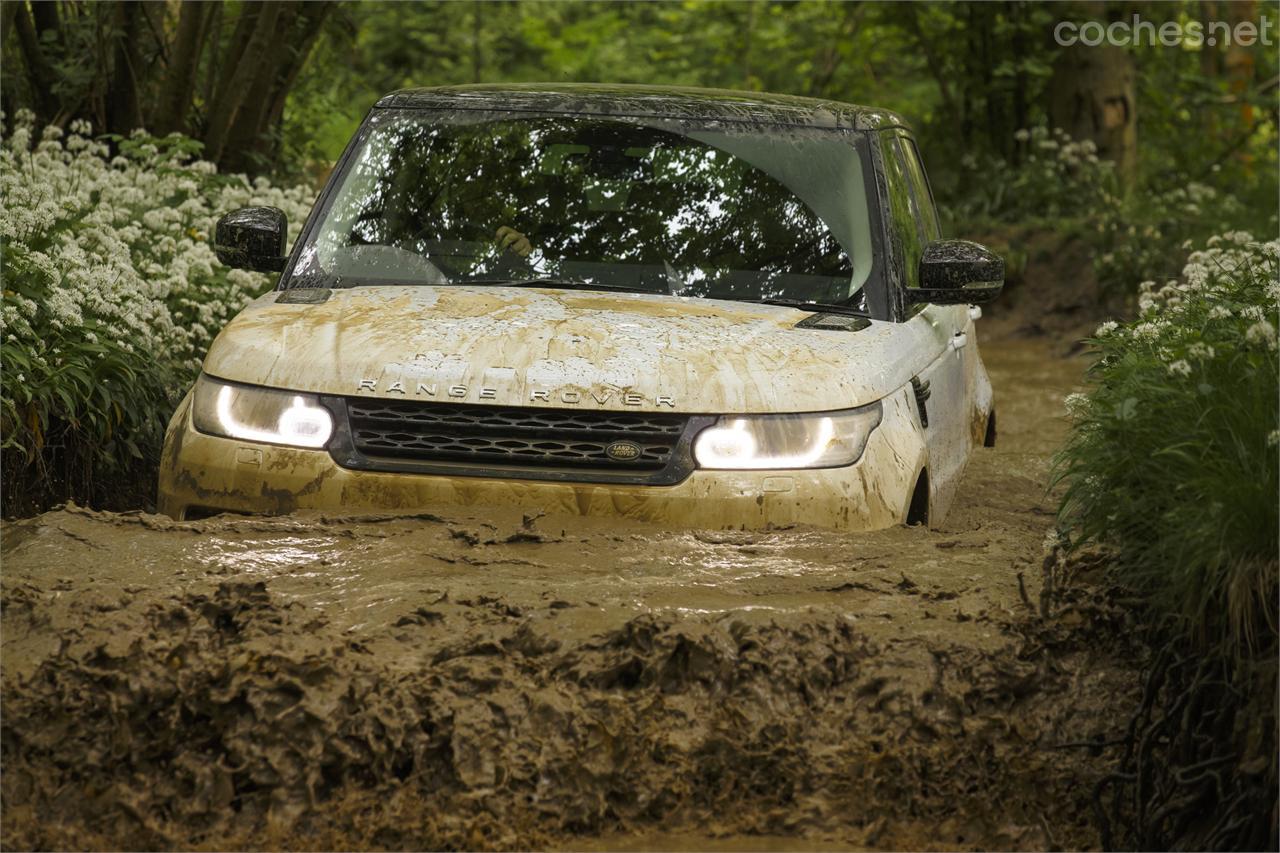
<point>812,440</point>
<point>264,415</point>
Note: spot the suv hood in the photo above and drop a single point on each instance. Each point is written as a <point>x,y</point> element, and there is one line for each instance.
<point>521,346</point>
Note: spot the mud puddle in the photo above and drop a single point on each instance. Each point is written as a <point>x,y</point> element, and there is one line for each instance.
<point>477,680</point>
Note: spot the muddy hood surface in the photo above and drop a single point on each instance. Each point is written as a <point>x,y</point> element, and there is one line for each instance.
<point>524,346</point>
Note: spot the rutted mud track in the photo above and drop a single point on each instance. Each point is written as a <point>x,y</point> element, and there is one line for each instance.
<point>456,679</point>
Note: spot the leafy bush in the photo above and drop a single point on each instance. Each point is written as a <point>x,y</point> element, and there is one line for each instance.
<point>111,296</point>
<point>1057,178</point>
<point>1063,186</point>
<point>1174,459</point>
<point>1149,234</point>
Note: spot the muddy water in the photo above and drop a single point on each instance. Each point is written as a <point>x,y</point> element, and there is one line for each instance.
<point>499,680</point>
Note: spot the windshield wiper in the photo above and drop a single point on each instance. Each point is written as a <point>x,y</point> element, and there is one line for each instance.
<point>805,305</point>
<point>554,281</point>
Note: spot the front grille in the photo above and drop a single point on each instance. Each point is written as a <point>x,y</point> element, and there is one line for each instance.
<point>397,435</point>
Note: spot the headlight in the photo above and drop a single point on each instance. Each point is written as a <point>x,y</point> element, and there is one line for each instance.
<point>265,415</point>
<point>816,440</point>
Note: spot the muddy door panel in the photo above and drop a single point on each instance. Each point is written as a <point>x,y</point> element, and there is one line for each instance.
<point>947,407</point>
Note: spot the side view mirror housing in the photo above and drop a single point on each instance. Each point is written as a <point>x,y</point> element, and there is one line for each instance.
<point>958,272</point>
<point>252,238</point>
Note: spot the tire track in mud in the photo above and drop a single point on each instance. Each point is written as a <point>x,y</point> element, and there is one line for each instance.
<point>487,680</point>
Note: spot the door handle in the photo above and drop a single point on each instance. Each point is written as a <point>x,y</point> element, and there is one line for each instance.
<point>959,340</point>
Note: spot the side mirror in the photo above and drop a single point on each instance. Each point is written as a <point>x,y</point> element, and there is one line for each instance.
<point>252,238</point>
<point>957,272</point>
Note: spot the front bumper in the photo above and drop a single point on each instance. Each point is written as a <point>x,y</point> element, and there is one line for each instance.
<point>203,474</point>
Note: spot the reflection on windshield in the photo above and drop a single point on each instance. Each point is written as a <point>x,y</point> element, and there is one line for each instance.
<point>615,203</point>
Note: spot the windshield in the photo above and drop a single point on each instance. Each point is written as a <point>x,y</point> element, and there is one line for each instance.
<point>616,203</point>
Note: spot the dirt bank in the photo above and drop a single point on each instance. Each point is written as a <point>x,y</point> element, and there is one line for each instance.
<point>491,680</point>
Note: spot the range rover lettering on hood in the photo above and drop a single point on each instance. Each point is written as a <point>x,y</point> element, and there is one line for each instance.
<point>568,396</point>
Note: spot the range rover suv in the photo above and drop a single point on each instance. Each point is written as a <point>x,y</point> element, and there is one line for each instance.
<point>716,309</point>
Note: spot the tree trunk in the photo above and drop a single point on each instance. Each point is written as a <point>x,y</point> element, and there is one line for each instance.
<point>999,135</point>
<point>239,73</point>
<point>124,112</point>
<point>1210,59</point>
<point>211,69</point>
<point>223,64</point>
<point>39,71</point>
<point>247,125</point>
<point>1239,61</point>
<point>250,142</point>
<point>1092,96</point>
<point>314,15</point>
<point>178,88</point>
<point>1021,107</point>
<point>47,19</point>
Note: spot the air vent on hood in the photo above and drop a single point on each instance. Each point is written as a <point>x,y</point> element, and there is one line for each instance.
<point>834,322</point>
<point>304,296</point>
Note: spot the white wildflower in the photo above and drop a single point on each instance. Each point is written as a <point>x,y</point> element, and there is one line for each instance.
<point>1263,333</point>
<point>1179,368</point>
<point>134,268</point>
<point>1052,542</point>
<point>1106,328</point>
<point>1196,275</point>
<point>1149,330</point>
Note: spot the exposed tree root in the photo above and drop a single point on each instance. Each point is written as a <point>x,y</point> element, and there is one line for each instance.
<point>1198,770</point>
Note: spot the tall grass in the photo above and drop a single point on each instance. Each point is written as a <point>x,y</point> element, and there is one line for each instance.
<point>1174,461</point>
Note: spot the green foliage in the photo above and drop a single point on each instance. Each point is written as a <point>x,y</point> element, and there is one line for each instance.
<point>1058,179</point>
<point>847,51</point>
<point>973,78</point>
<point>1147,235</point>
<point>1174,459</point>
<point>1142,233</point>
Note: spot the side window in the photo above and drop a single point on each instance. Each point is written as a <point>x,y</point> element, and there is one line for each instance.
<point>904,222</point>
<point>920,187</point>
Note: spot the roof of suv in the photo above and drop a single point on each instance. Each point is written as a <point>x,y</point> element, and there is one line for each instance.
<point>647,101</point>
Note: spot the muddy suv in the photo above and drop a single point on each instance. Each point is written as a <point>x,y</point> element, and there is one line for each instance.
<point>712,308</point>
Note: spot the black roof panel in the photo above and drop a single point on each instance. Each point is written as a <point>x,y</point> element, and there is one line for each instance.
<point>649,101</point>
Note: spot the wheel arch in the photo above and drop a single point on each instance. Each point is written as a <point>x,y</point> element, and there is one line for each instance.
<point>917,511</point>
